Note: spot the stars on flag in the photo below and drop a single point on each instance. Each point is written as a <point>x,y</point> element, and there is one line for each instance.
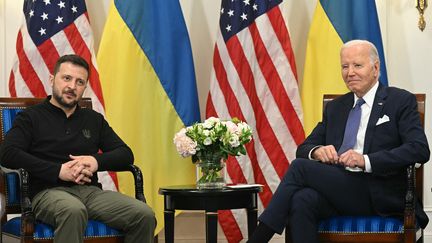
<point>61,4</point>
<point>239,14</point>
<point>53,16</point>
<point>44,16</point>
<point>231,13</point>
<point>42,31</point>
<point>59,19</point>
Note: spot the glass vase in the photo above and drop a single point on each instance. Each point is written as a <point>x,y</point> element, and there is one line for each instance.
<point>211,174</point>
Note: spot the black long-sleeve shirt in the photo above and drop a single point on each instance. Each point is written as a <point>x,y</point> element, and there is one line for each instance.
<point>42,138</point>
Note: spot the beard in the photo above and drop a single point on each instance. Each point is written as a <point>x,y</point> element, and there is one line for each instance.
<point>57,95</point>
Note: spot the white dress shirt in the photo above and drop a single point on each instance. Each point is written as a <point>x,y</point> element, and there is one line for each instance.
<point>369,98</point>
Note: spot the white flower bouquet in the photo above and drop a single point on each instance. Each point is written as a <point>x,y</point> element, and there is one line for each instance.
<point>210,142</point>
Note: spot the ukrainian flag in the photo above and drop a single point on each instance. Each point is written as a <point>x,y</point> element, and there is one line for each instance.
<point>148,81</point>
<point>334,23</point>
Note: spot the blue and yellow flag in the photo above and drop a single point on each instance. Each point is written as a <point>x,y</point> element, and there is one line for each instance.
<point>334,23</point>
<point>148,81</point>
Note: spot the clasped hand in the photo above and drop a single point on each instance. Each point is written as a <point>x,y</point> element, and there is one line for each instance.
<point>79,169</point>
<point>327,154</point>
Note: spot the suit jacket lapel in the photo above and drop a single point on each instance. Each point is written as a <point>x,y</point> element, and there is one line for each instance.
<point>376,113</point>
<point>346,104</point>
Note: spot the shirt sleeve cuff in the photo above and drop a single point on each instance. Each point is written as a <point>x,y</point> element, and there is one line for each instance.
<point>311,151</point>
<point>368,167</point>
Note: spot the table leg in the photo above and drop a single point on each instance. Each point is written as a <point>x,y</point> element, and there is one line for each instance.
<point>211,226</point>
<point>252,218</point>
<point>169,226</point>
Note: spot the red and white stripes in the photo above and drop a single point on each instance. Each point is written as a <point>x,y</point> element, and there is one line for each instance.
<point>33,64</point>
<point>254,79</point>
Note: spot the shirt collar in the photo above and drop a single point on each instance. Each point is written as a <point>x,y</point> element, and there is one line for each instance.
<point>57,109</point>
<point>369,96</point>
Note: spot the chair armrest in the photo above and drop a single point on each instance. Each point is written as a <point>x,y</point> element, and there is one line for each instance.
<point>28,218</point>
<point>410,199</point>
<point>138,180</point>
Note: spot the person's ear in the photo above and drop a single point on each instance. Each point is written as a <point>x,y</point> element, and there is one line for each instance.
<point>377,68</point>
<point>51,79</point>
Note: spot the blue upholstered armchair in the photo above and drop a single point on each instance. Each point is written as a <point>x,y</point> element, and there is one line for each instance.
<point>14,185</point>
<point>375,228</point>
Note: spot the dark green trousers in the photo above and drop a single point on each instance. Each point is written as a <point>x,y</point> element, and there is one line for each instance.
<point>69,208</point>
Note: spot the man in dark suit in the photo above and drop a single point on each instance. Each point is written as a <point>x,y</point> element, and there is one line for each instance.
<point>368,177</point>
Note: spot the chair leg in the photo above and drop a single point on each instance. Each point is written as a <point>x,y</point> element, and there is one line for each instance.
<point>410,236</point>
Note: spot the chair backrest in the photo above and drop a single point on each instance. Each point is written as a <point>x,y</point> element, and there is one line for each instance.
<point>421,100</point>
<point>9,182</point>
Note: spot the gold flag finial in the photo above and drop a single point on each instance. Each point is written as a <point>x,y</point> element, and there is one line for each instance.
<point>421,5</point>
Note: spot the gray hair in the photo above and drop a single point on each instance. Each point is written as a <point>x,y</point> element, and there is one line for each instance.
<point>373,52</point>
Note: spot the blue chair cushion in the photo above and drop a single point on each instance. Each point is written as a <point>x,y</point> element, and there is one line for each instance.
<point>13,196</point>
<point>372,224</point>
<point>8,116</point>
<point>45,231</point>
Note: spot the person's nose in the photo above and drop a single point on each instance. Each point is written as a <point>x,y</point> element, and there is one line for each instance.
<point>351,71</point>
<point>72,84</point>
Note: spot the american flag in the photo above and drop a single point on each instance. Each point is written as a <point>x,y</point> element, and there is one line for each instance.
<point>53,28</point>
<point>254,79</point>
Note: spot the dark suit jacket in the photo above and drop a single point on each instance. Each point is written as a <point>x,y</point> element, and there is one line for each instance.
<point>391,146</point>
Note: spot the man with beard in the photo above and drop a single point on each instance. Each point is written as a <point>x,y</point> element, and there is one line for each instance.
<point>58,143</point>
